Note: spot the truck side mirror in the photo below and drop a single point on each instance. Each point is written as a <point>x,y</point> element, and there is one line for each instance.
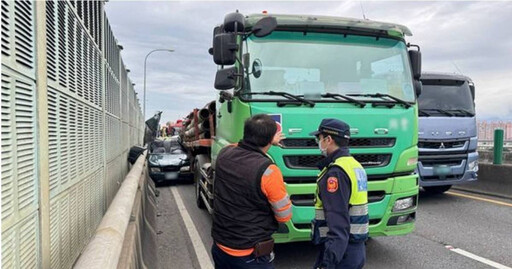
<point>234,22</point>
<point>417,87</point>
<point>225,79</point>
<point>224,49</point>
<point>415,58</point>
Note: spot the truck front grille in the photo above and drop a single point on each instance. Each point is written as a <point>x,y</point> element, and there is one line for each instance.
<point>353,143</point>
<point>310,161</point>
<point>447,144</point>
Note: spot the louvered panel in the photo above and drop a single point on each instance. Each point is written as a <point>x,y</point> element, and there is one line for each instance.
<point>99,79</point>
<point>79,9</point>
<point>7,149</point>
<point>73,145</point>
<point>82,234</point>
<point>85,17</point>
<point>24,33</point>
<point>54,234</point>
<point>100,23</point>
<point>28,243</point>
<point>62,43</point>
<point>25,152</point>
<point>53,140</point>
<point>125,135</point>
<point>88,209</point>
<point>81,84</point>
<point>98,134</point>
<point>6,31</point>
<point>87,71</point>
<point>8,247</point>
<point>64,231</point>
<point>63,118</point>
<point>80,119</point>
<point>51,40</point>
<point>71,45</point>
<point>73,221</point>
<point>90,13</point>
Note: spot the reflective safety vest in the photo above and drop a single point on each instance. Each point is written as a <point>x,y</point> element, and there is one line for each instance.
<point>358,202</point>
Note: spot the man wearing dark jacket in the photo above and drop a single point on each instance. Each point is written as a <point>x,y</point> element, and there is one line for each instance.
<point>341,210</point>
<point>250,199</point>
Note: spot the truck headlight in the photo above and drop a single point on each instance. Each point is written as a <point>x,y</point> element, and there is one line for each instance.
<point>155,169</point>
<point>403,204</point>
<point>473,166</point>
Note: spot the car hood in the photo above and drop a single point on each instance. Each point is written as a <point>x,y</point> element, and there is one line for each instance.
<point>166,159</point>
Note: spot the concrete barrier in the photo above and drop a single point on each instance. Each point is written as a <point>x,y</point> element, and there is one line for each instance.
<point>492,179</point>
<point>486,156</point>
<point>126,236</point>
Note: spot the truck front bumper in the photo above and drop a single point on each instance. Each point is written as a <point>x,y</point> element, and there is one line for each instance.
<point>459,174</point>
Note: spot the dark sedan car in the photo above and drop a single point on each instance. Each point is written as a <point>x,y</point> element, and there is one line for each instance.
<point>168,161</point>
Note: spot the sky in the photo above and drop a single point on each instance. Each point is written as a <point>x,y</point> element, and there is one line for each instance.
<point>472,38</point>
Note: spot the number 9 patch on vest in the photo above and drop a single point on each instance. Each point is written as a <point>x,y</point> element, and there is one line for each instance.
<point>332,184</point>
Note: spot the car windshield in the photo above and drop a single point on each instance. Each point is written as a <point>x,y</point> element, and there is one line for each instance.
<point>454,98</point>
<point>312,64</point>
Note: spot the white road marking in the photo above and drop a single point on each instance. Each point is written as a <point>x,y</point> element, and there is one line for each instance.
<point>201,253</point>
<point>477,258</point>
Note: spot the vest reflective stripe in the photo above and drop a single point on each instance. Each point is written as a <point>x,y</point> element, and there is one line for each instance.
<point>281,203</point>
<point>284,213</point>
<point>358,210</point>
<point>323,231</point>
<point>319,214</point>
<point>358,202</point>
<point>358,228</point>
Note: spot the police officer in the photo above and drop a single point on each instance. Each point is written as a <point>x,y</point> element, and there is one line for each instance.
<point>341,211</point>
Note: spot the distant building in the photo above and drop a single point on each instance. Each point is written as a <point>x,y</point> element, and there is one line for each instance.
<point>486,129</point>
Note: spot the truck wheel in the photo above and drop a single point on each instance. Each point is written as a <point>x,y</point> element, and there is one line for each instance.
<point>437,189</point>
<point>197,179</point>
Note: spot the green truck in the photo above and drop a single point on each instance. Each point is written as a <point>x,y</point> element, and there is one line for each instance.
<point>300,70</point>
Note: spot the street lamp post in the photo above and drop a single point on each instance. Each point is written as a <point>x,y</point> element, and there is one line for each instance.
<point>145,59</point>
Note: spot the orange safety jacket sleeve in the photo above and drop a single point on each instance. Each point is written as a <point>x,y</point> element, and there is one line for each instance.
<point>272,186</point>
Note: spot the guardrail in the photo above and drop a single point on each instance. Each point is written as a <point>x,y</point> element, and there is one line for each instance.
<point>126,236</point>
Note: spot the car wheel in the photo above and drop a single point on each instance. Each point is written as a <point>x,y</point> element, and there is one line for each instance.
<point>437,189</point>
<point>197,179</point>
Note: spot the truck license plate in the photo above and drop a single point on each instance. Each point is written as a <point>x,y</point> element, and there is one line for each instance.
<point>442,170</point>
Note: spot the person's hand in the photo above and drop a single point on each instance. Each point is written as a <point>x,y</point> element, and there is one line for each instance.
<point>276,141</point>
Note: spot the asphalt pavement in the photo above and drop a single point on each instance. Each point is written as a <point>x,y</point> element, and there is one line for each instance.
<point>454,230</point>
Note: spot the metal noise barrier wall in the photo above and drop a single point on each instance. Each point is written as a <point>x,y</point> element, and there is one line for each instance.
<point>125,237</point>
<point>69,117</point>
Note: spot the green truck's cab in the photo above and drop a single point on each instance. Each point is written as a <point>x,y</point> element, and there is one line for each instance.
<point>355,70</point>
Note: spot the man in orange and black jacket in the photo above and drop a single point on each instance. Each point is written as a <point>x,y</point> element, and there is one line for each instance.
<point>250,199</point>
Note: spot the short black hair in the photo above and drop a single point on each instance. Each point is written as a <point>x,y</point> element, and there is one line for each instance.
<point>338,140</point>
<point>259,130</point>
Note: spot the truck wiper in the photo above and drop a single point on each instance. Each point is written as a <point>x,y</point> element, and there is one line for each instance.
<point>384,96</point>
<point>286,95</point>
<point>423,113</point>
<point>446,112</point>
<point>338,96</point>
<point>463,111</point>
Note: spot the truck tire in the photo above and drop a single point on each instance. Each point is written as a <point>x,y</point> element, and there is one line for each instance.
<point>437,189</point>
<point>197,179</point>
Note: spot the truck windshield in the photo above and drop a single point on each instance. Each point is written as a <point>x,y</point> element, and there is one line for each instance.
<point>313,64</point>
<point>446,99</point>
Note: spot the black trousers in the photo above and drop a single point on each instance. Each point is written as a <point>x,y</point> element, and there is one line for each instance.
<point>354,257</point>
<point>223,260</point>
